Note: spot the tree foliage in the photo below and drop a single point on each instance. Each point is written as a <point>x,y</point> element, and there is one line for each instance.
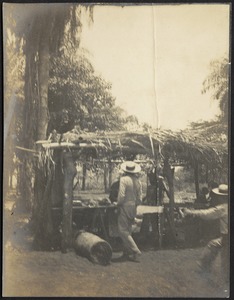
<point>14,64</point>
<point>218,83</point>
<point>38,30</point>
<point>74,86</point>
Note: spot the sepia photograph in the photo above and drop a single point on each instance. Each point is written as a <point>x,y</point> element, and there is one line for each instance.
<point>116,172</point>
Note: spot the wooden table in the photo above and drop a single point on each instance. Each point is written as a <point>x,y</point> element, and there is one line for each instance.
<point>102,214</point>
<point>152,220</point>
<point>99,216</point>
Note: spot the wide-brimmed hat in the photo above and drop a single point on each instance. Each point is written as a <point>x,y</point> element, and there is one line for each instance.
<point>130,167</point>
<point>221,190</point>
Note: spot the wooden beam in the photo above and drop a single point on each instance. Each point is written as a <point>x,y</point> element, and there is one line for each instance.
<point>68,145</point>
<point>27,150</point>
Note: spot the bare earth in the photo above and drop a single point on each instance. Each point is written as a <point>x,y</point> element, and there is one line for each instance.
<point>160,273</point>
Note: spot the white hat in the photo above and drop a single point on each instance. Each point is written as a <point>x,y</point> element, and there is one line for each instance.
<point>221,190</point>
<point>130,167</point>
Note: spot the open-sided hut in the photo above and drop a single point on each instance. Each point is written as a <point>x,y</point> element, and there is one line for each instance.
<point>56,167</point>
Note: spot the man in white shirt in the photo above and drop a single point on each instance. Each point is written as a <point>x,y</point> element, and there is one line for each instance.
<point>129,197</point>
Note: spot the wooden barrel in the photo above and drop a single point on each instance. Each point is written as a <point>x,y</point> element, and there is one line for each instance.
<point>93,247</point>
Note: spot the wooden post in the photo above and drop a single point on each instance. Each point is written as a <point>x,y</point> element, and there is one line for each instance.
<point>207,174</point>
<point>110,173</point>
<point>105,178</point>
<point>160,191</point>
<point>147,187</point>
<point>84,176</point>
<point>57,186</point>
<point>196,178</point>
<point>69,174</point>
<point>169,173</point>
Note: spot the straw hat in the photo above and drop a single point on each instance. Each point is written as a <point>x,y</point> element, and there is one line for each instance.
<point>221,190</point>
<point>130,167</point>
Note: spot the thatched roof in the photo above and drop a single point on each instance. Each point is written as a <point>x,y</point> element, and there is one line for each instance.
<point>187,146</point>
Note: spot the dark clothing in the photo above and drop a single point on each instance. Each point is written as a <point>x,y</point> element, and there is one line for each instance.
<point>153,177</point>
<point>151,195</point>
<point>114,190</point>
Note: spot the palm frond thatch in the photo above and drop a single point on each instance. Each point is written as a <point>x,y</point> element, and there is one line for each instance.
<point>189,145</point>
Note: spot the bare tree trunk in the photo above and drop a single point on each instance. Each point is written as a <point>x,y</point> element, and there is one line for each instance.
<point>43,78</point>
<point>29,124</point>
<point>8,143</point>
<point>7,162</point>
<point>36,93</point>
<point>42,217</point>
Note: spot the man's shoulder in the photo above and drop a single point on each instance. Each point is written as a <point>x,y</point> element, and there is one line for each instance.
<point>126,179</point>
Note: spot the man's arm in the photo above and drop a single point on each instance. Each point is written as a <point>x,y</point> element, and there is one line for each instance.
<point>212,213</point>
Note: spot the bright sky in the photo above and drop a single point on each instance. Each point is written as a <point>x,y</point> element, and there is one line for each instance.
<point>157,57</point>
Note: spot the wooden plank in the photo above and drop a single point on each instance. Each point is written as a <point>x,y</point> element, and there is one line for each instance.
<point>148,209</point>
<point>87,207</point>
<point>145,209</point>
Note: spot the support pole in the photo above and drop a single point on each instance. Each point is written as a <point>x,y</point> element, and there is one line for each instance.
<point>84,176</point>
<point>169,174</point>
<point>207,174</point>
<point>196,178</point>
<point>69,174</point>
<point>160,191</point>
<point>110,173</point>
<point>105,178</point>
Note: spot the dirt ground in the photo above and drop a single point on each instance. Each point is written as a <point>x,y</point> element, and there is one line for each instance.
<point>160,273</point>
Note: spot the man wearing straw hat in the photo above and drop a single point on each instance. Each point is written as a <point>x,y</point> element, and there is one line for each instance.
<point>129,196</point>
<point>219,211</point>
